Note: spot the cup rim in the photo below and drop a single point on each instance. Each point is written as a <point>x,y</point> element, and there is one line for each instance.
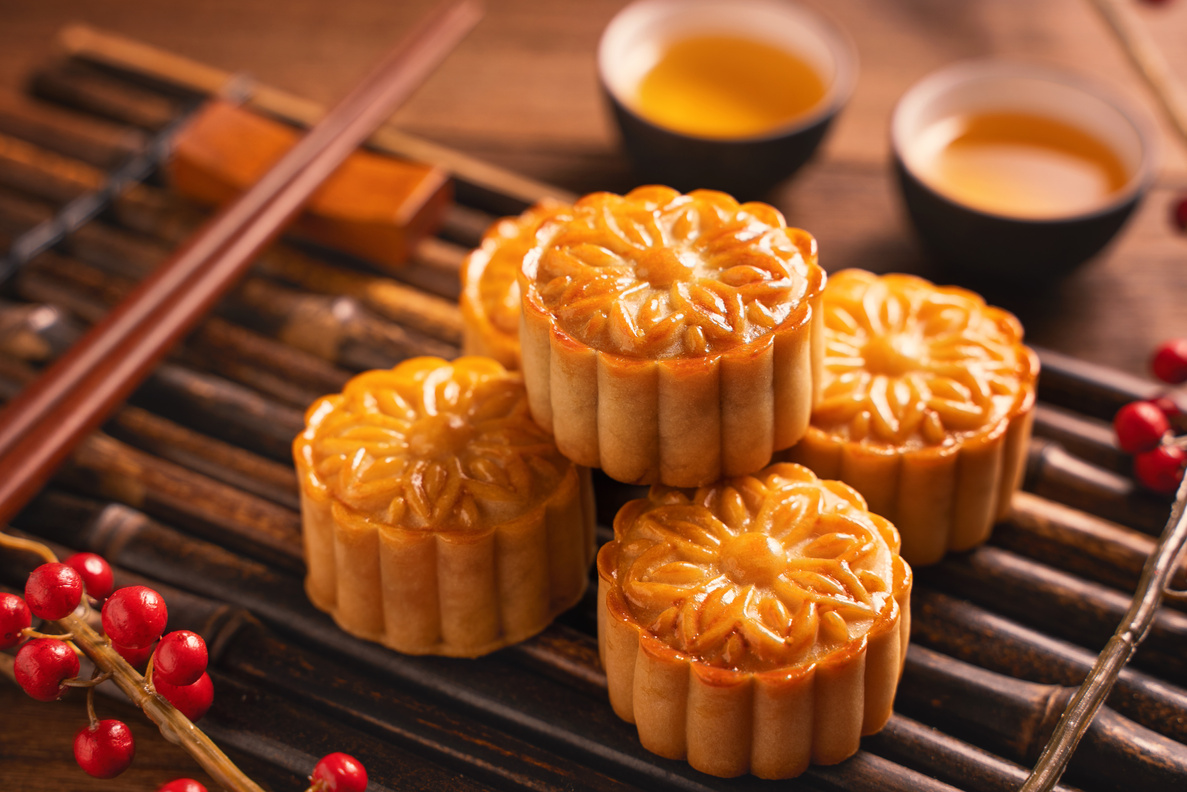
<point>947,77</point>
<point>837,40</point>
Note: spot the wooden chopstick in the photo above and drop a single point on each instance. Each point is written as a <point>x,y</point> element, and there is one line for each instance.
<point>41,425</point>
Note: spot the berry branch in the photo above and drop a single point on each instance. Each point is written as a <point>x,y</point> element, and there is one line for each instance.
<point>173,724</point>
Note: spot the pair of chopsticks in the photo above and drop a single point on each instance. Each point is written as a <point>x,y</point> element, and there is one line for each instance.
<point>41,426</point>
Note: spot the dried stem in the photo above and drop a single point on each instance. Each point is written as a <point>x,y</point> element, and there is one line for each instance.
<point>1133,628</point>
<point>175,727</point>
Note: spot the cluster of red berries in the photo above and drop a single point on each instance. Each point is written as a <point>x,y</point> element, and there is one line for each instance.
<point>133,619</point>
<point>1148,429</point>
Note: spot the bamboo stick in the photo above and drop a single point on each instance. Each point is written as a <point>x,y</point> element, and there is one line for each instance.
<point>1078,542</point>
<point>34,332</point>
<point>277,370</point>
<point>221,461</point>
<point>978,635</point>
<point>431,321</point>
<point>1057,603</point>
<point>1092,389</point>
<point>1054,474</point>
<point>74,135</point>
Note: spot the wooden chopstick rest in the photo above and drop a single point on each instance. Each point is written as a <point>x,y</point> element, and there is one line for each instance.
<point>375,207</point>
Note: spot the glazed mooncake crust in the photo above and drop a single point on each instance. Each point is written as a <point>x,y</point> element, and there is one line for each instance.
<point>670,338</point>
<point>927,404</point>
<point>756,625</point>
<point>438,517</point>
<point>490,291</point>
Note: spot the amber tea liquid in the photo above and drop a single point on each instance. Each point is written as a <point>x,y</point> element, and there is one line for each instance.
<point>726,87</point>
<point>1019,164</point>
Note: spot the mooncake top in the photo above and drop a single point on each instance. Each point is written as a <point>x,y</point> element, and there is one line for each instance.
<point>432,445</point>
<point>759,572</point>
<point>658,274</point>
<point>911,364</point>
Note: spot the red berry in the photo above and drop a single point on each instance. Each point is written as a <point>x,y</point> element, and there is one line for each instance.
<point>14,617</point>
<point>180,658</point>
<point>42,664</point>
<point>191,700</point>
<point>1139,427</point>
<point>182,785</point>
<point>95,572</point>
<point>134,616</point>
<point>339,772</point>
<point>1160,470</point>
<point>136,656</point>
<point>1170,361</point>
<point>1179,214</point>
<point>53,591</point>
<point>104,749</point>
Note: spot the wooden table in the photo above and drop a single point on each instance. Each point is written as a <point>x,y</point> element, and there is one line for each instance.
<point>521,92</point>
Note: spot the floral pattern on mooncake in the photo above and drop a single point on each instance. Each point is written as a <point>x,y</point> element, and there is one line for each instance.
<point>661,274</point>
<point>726,611</point>
<point>926,405</point>
<point>438,517</point>
<point>671,338</point>
<point>907,363</point>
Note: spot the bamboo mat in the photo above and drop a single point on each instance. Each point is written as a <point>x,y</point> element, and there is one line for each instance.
<point>191,487</point>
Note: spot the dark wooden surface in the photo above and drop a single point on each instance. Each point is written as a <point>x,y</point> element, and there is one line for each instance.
<point>521,92</point>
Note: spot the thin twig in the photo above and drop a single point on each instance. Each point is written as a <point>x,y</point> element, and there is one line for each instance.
<point>1133,628</point>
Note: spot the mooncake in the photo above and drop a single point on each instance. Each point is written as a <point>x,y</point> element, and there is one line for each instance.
<point>669,338</point>
<point>490,293</point>
<point>438,517</point>
<point>926,407</point>
<point>755,625</point>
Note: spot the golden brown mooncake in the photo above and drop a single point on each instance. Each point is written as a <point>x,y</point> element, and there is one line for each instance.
<point>757,625</point>
<point>490,293</point>
<point>926,407</point>
<point>668,338</point>
<point>438,517</point>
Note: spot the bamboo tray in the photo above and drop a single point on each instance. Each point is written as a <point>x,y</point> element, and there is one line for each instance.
<point>191,486</point>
